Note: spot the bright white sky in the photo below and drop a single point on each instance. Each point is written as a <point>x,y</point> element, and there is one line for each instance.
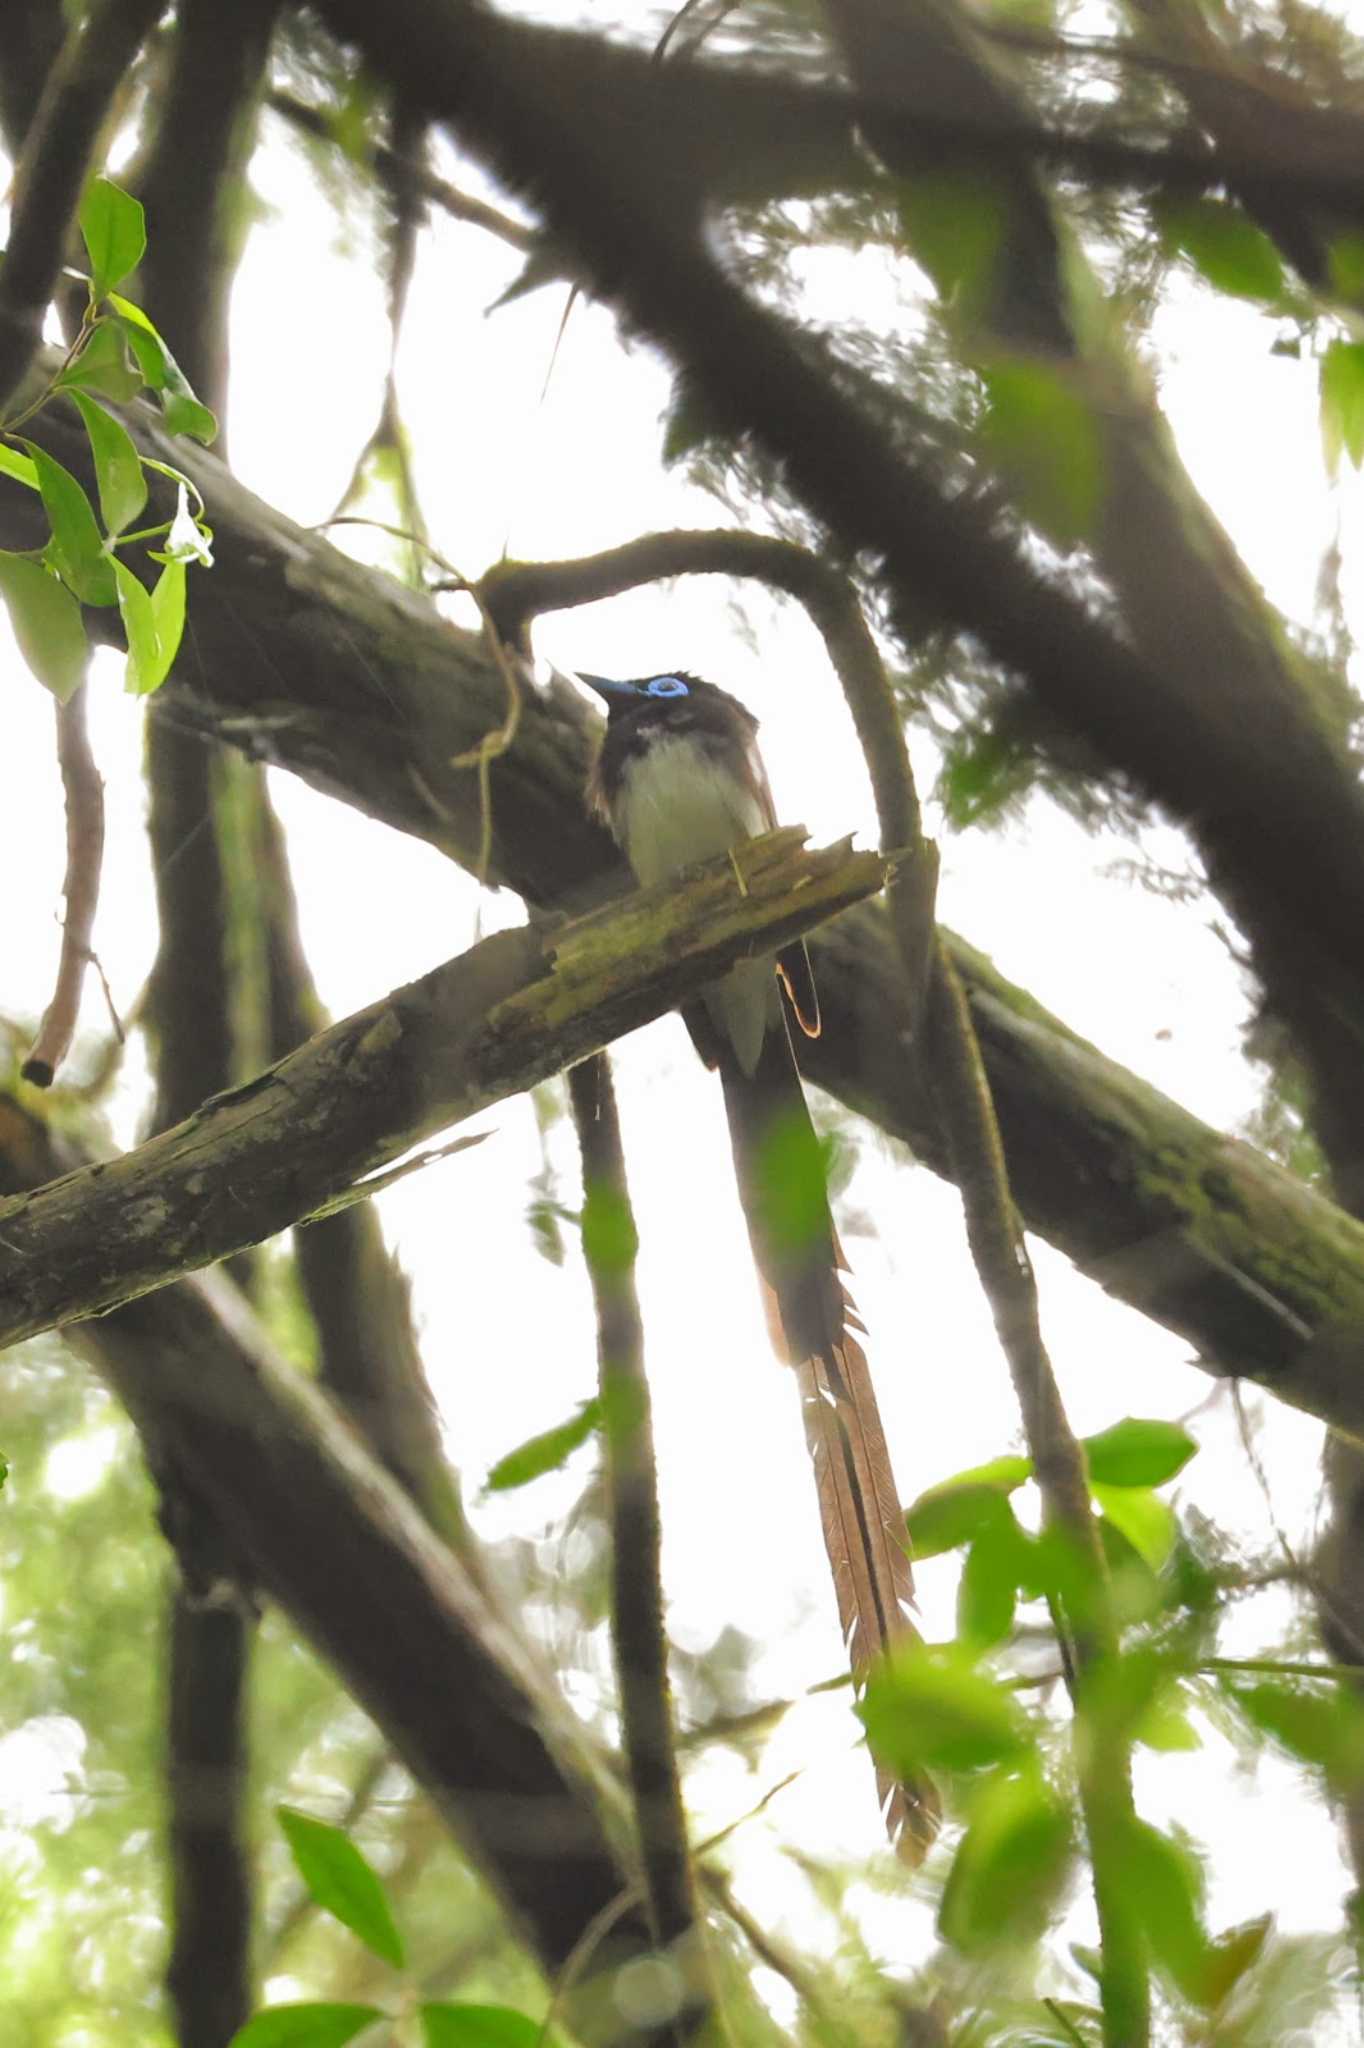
<point>507,1337</point>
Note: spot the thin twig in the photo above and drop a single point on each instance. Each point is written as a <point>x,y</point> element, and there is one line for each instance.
<point>683,15</point>
<point>1279,1667</point>
<point>1304,1575</point>
<point>583,1949</point>
<point>638,1629</point>
<point>774,1954</point>
<point>84,792</point>
<point>459,205</point>
<point>1064,2021</point>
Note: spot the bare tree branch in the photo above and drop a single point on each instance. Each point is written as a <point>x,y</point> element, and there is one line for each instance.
<point>509,1013</point>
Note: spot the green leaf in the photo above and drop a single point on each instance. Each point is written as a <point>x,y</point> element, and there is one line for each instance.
<point>546,1452</point>
<point>184,414</point>
<point>152,621</point>
<point>477,2026</point>
<point>47,624</point>
<point>1121,1691</point>
<point>1165,1726</point>
<point>342,1882</point>
<point>1320,1725</point>
<point>103,365</point>
<point>76,549</point>
<point>988,1593</point>
<point>1163,1886</point>
<point>1046,440</point>
<point>1234,1952</point>
<point>543,1217</point>
<point>925,1706</point>
<point>1345,266</point>
<point>114,231</point>
<point>118,468</point>
<point>305,2026</point>
<point>1342,403</point>
<point>955,1510</point>
<point>1143,1518</point>
<point>21,467</point>
<point>954,223</point>
<point>610,1241</point>
<point>984,772</point>
<point>168,613</point>
<point>354,124</point>
<point>1225,245</point>
<point>1010,1867</point>
<point>139,627</point>
<point>1137,1453</point>
<point>1061,1568</point>
<point>792,1190</point>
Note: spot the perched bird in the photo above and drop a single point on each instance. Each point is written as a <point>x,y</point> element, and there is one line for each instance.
<point>679,779</point>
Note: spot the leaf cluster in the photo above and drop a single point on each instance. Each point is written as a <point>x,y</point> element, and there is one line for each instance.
<point>116,355</point>
<point>942,1708</point>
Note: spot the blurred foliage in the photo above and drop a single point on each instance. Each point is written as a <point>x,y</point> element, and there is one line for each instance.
<point>86,1580</point>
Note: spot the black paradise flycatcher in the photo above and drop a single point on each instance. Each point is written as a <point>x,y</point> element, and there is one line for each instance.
<point>679,779</point>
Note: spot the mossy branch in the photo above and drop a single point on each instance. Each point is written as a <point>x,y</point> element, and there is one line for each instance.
<point>510,1012</point>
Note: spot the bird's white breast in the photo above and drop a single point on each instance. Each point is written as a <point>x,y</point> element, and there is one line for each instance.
<point>678,805</point>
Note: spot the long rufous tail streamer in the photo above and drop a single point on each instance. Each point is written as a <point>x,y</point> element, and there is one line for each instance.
<point>813,1324</point>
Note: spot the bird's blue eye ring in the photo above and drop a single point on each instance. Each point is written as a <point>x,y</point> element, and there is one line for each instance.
<point>667,686</point>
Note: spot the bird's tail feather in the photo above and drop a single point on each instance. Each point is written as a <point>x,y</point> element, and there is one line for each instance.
<point>813,1325</point>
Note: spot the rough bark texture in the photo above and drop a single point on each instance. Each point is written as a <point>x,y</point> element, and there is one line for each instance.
<point>509,1013</point>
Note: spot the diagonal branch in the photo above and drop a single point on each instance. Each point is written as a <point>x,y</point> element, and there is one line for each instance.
<point>509,1013</point>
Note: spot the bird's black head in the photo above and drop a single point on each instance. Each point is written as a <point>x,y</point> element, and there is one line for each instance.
<point>674,701</point>
<point>645,711</point>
